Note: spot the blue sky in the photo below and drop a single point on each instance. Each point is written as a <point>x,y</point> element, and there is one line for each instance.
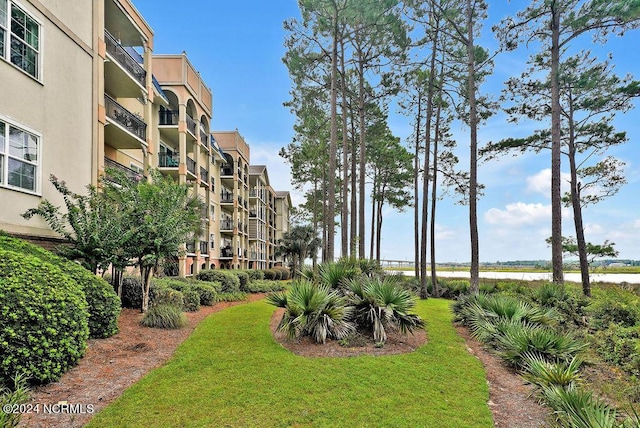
<point>238,46</point>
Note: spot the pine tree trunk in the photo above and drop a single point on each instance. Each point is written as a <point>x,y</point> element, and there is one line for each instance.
<point>331,197</point>
<point>344,218</point>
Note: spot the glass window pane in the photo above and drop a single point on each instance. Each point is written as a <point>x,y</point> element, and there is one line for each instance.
<point>2,32</point>
<point>18,22</point>
<point>33,30</point>
<point>2,133</point>
<point>23,56</point>
<point>1,169</point>
<point>3,13</point>
<point>23,145</point>
<point>21,174</point>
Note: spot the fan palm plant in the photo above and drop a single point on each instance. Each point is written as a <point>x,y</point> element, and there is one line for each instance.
<point>379,304</point>
<point>312,310</point>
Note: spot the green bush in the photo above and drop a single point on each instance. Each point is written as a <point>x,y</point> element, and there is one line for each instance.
<point>264,286</point>
<point>159,293</point>
<point>206,291</point>
<point>16,394</point>
<point>615,309</point>
<point>164,316</point>
<point>191,297</point>
<point>103,303</point>
<point>243,277</point>
<point>44,315</point>
<point>453,288</point>
<point>285,273</point>
<point>620,346</point>
<point>237,296</point>
<point>271,274</point>
<point>255,274</point>
<point>229,283</point>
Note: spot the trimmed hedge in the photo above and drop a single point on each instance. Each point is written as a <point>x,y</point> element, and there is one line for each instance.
<point>255,274</point>
<point>44,315</point>
<point>158,294</point>
<point>191,297</point>
<point>207,291</point>
<point>104,304</point>
<point>229,282</point>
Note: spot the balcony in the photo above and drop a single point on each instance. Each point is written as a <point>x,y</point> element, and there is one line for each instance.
<point>130,173</point>
<point>226,224</point>
<point>204,248</point>
<point>191,126</point>
<point>204,177</point>
<point>129,131</point>
<point>226,252</point>
<point>191,166</point>
<point>124,75</point>
<point>226,197</point>
<point>168,160</point>
<point>191,247</point>
<point>168,117</point>
<point>226,171</point>
<point>203,139</point>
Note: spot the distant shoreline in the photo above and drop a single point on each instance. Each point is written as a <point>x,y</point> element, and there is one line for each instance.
<point>617,278</point>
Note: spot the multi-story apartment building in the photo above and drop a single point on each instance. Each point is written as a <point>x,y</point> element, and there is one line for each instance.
<point>234,200</point>
<point>109,102</point>
<point>48,106</point>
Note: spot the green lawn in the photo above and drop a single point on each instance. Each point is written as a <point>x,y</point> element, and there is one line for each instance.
<point>231,373</point>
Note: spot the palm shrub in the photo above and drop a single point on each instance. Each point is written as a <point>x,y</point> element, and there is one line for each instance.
<point>380,304</point>
<point>523,339</point>
<point>577,408</point>
<point>543,373</point>
<point>313,310</point>
<point>14,395</point>
<point>44,327</point>
<point>369,267</point>
<point>164,316</point>
<point>334,274</point>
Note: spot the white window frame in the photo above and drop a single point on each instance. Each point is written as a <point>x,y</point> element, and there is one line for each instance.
<point>5,155</point>
<point>6,26</point>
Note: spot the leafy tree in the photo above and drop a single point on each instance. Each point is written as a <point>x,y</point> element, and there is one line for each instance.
<point>91,226</point>
<point>556,24</point>
<point>298,243</point>
<point>594,251</point>
<point>590,96</point>
<point>160,214</point>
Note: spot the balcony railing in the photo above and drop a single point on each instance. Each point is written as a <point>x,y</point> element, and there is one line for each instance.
<point>191,125</point>
<point>168,117</point>
<point>191,247</point>
<point>226,224</point>
<point>204,176</point>
<point>226,171</point>
<point>125,118</point>
<point>134,175</point>
<point>203,138</point>
<point>191,165</point>
<point>168,160</point>
<point>226,197</point>
<point>116,50</point>
<point>226,252</point>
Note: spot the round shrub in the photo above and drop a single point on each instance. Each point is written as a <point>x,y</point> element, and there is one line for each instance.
<point>164,316</point>
<point>131,292</point>
<point>229,282</point>
<point>270,274</point>
<point>284,273</point>
<point>44,327</point>
<point>103,303</point>
<point>207,292</point>
<point>159,293</point>
<point>243,277</point>
<point>163,295</point>
<point>255,274</point>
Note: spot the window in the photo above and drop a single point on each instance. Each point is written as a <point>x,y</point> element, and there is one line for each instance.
<point>19,38</point>
<point>19,158</point>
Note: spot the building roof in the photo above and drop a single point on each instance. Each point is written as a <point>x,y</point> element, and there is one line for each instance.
<point>256,169</point>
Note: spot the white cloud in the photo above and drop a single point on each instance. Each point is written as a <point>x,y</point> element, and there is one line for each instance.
<point>518,214</point>
<point>593,229</point>
<point>541,182</point>
<point>636,225</point>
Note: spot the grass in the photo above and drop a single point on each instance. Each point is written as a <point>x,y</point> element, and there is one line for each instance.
<point>231,372</point>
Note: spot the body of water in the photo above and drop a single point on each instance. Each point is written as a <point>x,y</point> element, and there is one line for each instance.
<point>617,278</point>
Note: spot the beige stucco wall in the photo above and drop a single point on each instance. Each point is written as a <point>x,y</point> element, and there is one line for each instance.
<point>59,108</point>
